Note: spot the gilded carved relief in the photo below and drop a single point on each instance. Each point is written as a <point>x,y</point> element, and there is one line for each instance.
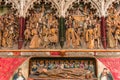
<point>77,68</point>
<point>83,26</point>
<point>42,26</point>
<point>113,25</point>
<point>9,31</point>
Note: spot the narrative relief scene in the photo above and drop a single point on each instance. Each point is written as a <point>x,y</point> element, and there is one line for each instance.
<point>65,68</point>
<point>113,26</point>
<point>82,27</point>
<point>9,28</point>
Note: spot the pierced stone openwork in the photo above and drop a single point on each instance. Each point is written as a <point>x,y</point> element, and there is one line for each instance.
<point>49,7</point>
<point>82,7</point>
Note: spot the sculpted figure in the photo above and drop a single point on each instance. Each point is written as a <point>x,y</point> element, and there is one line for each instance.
<point>76,24</point>
<point>27,34</point>
<point>42,10</point>
<point>111,40</point>
<point>90,38</point>
<point>55,23</point>
<point>5,37</point>
<point>91,15</point>
<point>116,19</point>
<point>117,36</point>
<point>91,73</point>
<point>82,65</point>
<point>105,75</point>
<point>35,41</point>
<point>50,20</point>
<point>85,10</point>
<point>34,68</point>
<point>109,21</point>
<point>70,36</point>
<point>97,34</point>
<point>10,37</point>
<point>19,75</point>
<point>44,30</point>
<point>70,32</point>
<point>85,27</point>
<point>76,44</point>
<point>86,65</point>
<point>53,35</point>
<point>45,35</point>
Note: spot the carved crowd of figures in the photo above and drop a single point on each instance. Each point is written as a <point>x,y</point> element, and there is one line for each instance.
<point>113,28</point>
<point>83,29</point>
<point>8,30</point>
<point>72,69</point>
<point>41,30</point>
<point>88,33</point>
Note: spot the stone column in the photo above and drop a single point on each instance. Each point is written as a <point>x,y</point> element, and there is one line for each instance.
<point>62,31</point>
<point>103,32</point>
<point>21,32</point>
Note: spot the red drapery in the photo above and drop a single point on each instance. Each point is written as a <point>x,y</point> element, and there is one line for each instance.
<point>8,67</point>
<point>113,64</point>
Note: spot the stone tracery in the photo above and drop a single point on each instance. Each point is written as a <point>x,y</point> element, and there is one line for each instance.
<point>30,4</point>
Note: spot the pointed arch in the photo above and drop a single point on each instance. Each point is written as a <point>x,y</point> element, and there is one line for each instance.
<point>30,4</point>
<point>108,3</point>
<point>15,3</point>
<point>92,2</point>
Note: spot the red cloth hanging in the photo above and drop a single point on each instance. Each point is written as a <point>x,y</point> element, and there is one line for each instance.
<point>113,65</point>
<point>8,66</point>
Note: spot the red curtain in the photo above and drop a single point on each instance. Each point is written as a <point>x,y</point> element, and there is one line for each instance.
<point>113,64</point>
<point>8,67</point>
